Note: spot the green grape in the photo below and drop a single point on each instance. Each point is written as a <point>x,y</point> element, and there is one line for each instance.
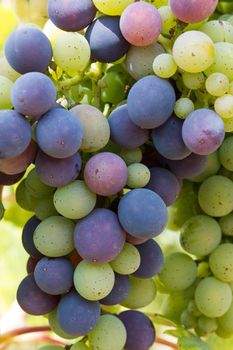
<point>51,347</point>
<point>75,200</point>
<point>222,333</point>
<point>192,309</point>
<point>7,71</point>
<point>159,3</point>
<point>213,297</point>
<point>52,32</point>
<point>164,65</point>
<point>168,18</point>
<point>109,334</point>
<point>207,324</point>
<point>53,237</point>
<point>228,124</point>
<point>230,90</point>
<point>35,187</point>
<point>226,153</point>
<point>183,107</point>
<point>224,106</point>
<point>128,261</point>
<point>223,62</point>
<point>211,168</point>
<point>92,281</point>
<point>193,51</point>
<point>71,52</point>
<point>179,272</point>
<point>138,175</point>
<point>221,262</point>
<point>5,93</point>
<point>131,155</point>
<point>200,235</point>
<point>203,269</point>
<point>23,198</point>
<point>79,346</point>
<point>2,210</point>
<point>193,81</point>
<point>188,320</point>
<point>142,293</point>
<point>217,84</point>
<point>218,31</point>
<point>54,324</point>
<point>112,87</point>
<point>224,172</point>
<point>216,196</point>
<point>45,208</point>
<point>226,224</point>
<point>226,321</point>
<point>32,11</point>
<point>112,7</point>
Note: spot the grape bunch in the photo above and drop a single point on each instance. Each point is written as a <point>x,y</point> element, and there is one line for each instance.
<point>116,118</point>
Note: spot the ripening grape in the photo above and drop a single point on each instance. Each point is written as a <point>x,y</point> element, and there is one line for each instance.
<point>112,7</point>
<point>44,208</point>
<point>35,187</point>
<point>5,93</point>
<point>221,262</point>
<point>23,198</point>
<point>52,32</point>
<point>194,11</point>
<point>217,84</point>
<point>218,31</point>
<point>226,153</point>
<point>222,62</point>
<point>131,156</point>
<point>164,65</point>
<point>193,81</point>
<point>168,18</point>
<point>226,224</point>
<point>183,107</point>
<point>119,291</point>
<point>193,51</point>
<point>138,175</point>
<point>128,261</point>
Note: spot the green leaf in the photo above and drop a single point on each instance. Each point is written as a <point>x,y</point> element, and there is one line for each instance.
<point>192,343</point>
<point>161,320</point>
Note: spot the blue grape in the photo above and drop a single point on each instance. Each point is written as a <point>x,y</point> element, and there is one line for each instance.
<point>139,328</point>
<point>54,276</point>
<point>99,237</point>
<point>168,140</point>
<point>33,300</point>
<point>76,315</point>
<point>123,131</point>
<point>142,213</point>
<point>7,180</point>
<point>191,166</point>
<point>33,94</point>
<point>71,15</point>
<point>59,134</point>
<point>27,237</point>
<point>57,172</point>
<point>105,39</point>
<point>150,102</point>
<point>119,292</point>
<point>203,131</point>
<point>151,259</point>
<point>165,184</point>
<point>15,134</point>
<point>28,50</point>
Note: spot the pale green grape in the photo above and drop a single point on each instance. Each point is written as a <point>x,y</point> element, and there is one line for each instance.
<point>45,208</point>
<point>200,235</point>
<point>218,31</point>
<point>7,71</point>
<point>217,84</point>
<point>179,272</point>
<point>138,175</point>
<point>223,333</point>
<point>53,237</point>
<point>223,60</point>
<point>213,297</point>
<point>226,321</point>
<point>188,320</point>
<point>92,281</point>
<point>5,93</point>
<point>54,324</point>
<point>192,309</point>
<point>35,187</point>
<point>183,107</point>
<point>164,65</point>
<point>228,124</point>
<point>71,52</point>
<point>142,293</point>
<point>112,7</point>
<point>224,106</point>
<point>79,346</point>
<point>226,224</point>
<point>168,18</point>
<point>75,200</point>
<point>230,90</point>
<point>212,167</point>
<point>128,261</point>
<point>216,196</point>
<point>193,51</point>
<point>226,153</point>
<point>32,11</point>
<point>131,155</point>
<point>193,81</point>
<point>51,347</point>
<point>109,334</point>
<point>207,324</point>
<point>221,262</point>
<point>52,32</point>
<point>203,269</point>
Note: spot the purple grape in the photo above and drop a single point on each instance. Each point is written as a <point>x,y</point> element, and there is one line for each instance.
<point>54,276</point>
<point>76,315</point>
<point>98,237</point>
<point>15,134</point>
<point>59,134</point>
<point>123,131</point>
<point>168,140</point>
<point>28,50</point>
<point>8,180</point>
<point>142,213</point>
<point>139,328</point>
<point>106,41</point>
<point>119,292</point>
<point>27,237</point>
<point>56,172</point>
<point>71,15</point>
<point>134,240</point>
<point>151,259</point>
<point>150,102</point>
<point>203,131</point>
<point>33,94</point>
<point>33,300</point>
<point>165,184</point>
<point>31,264</point>
<point>191,166</point>
<point>106,173</point>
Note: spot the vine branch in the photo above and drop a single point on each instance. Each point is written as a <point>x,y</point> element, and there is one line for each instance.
<point>20,331</point>
<point>166,343</point>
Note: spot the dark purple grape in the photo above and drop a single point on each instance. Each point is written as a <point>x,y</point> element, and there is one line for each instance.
<point>191,166</point>
<point>8,180</point>
<point>119,292</point>
<point>27,237</point>
<point>31,264</point>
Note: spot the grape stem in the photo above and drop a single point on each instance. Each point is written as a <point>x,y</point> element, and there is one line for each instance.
<point>20,331</point>
<point>166,343</point>
<point>68,83</point>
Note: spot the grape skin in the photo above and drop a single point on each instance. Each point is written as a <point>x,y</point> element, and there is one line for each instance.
<point>27,237</point>
<point>119,292</point>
